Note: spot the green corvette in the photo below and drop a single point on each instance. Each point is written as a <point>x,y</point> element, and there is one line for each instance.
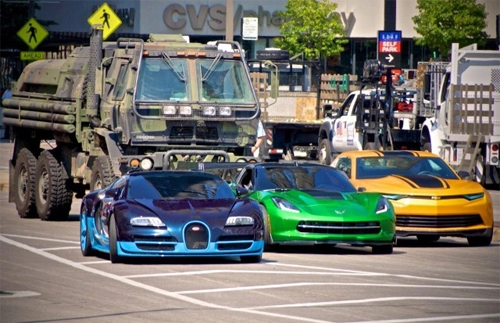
<point>306,203</point>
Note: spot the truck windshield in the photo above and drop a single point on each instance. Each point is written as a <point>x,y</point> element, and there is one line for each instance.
<point>224,81</point>
<point>162,79</point>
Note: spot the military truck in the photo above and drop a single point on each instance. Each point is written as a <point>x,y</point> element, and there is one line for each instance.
<point>80,122</point>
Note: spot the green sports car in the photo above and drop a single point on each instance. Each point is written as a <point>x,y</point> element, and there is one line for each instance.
<point>306,203</point>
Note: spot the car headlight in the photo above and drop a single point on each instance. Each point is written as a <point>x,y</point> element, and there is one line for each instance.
<point>285,205</point>
<point>209,111</point>
<point>146,164</point>
<point>225,111</point>
<point>185,110</point>
<point>169,110</point>
<point>382,206</point>
<point>147,221</point>
<point>394,196</point>
<point>239,220</point>
<point>471,197</point>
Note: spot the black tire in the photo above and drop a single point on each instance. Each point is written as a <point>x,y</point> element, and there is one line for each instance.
<point>427,147</point>
<point>428,238</point>
<point>102,173</point>
<point>52,193</point>
<point>268,239</point>
<point>113,242</point>
<point>383,249</point>
<point>24,184</point>
<point>251,259</point>
<point>483,241</point>
<point>85,241</point>
<point>325,152</point>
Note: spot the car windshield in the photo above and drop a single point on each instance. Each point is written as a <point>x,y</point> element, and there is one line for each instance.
<point>224,81</point>
<point>162,79</point>
<point>178,185</point>
<point>302,178</point>
<point>376,167</point>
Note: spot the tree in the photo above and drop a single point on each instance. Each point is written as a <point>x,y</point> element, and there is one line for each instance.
<point>443,22</point>
<point>311,27</point>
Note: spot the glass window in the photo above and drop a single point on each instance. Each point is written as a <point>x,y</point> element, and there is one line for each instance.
<point>224,81</point>
<point>121,82</point>
<point>162,80</point>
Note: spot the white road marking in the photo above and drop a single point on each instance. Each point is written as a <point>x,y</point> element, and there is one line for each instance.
<point>225,271</point>
<point>97,262</point>
<point>16,294</point>
<point>376,300</point>
<point>39,238</point>
<point>59,248</point>
<point>436,318</point>
<point>219,290</point>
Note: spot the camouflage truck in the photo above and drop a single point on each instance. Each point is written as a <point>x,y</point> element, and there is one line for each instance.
<point>80,122</point>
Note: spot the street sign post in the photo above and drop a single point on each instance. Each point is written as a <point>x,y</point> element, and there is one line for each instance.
<point>106,17</point>
<point>250,28</point>
<point>32,33</point>
<point>389,48</point>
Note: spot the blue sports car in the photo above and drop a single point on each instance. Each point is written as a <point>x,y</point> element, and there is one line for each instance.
<point>170,213</point>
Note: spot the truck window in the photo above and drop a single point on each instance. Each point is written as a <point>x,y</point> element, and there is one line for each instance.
<point>121,82</point>
<point>225,81</point>
<point>344,109</point>
<point>159,81</point>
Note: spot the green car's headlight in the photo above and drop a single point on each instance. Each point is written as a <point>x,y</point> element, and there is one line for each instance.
<point>382,206</point>
<point>284,205</point>
<point>147,221</point>
<point>239,221</point>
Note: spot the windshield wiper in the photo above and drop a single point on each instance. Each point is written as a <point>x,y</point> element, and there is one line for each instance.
<point>178,72</point>
<point>211,67</point>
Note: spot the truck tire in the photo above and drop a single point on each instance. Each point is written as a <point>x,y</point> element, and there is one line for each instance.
<point>325,152</point>
<point>24,185</point>
<point>52,193</point>
<point>102,173</point>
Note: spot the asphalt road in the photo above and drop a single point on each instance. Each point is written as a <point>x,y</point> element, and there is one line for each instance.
<point>44,278</point>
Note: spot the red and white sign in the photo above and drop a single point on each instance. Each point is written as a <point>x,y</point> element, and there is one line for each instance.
<point>389,46</point>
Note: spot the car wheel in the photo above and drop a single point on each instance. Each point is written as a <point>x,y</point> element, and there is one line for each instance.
<point>251,259</point>
<point>113,242</point>
<point>325,152</point>
<point>428,238</point>
<point>383,249</point>
<point>480,241</point>
<point>52,194</point>
<point>102,173</point>
<point>268,239</point>
<point>24,187</point>
<point>85,240</point>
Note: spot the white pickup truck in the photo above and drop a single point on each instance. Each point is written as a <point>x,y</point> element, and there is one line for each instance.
<point>365,121</point>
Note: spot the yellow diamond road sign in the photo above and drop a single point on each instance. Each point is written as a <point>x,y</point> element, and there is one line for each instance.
<point>32,33</point>
<point>106,17</point>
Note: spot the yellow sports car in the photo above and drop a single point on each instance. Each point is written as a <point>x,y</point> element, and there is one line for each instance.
<point>430,199</point>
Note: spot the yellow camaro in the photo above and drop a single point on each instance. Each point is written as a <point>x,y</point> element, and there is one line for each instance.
<point>429,197</point>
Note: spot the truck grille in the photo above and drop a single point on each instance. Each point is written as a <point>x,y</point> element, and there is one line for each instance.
<point>448,221</point>
<point>196,236</point>
<point>339,227</point>
<point>188,133</point>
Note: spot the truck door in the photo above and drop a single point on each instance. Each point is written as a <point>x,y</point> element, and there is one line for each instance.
<point>344,125</point>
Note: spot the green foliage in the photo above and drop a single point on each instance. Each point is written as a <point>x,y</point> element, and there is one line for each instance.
<point>443,22</point>
<point>311,27</point>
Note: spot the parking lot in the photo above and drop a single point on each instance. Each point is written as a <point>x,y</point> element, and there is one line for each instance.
<point>44,278</point>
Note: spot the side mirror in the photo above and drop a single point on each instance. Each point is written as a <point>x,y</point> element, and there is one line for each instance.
<point>240,190</point>
<point>464,175</point>
<point>112,193</point>
<point>361,189</point>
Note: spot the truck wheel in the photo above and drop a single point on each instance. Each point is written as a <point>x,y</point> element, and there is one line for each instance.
<point>325,152</point>
<point>52,193</point>
<point>102,173</point>
<point>24,185</point>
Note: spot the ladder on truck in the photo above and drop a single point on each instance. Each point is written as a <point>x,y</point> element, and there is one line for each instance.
<point>471,154</point>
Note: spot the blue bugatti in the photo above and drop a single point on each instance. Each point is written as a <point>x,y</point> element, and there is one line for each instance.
<point>170,213</point>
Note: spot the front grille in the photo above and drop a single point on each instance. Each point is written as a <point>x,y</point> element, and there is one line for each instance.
<point>448,221</point>
<point>237,237</point>
<point>181,133</point>
<point>139,239</point>
<point>158,247</point>
<point>196,236</point>
<point>234,246</point>
<point>159,243</point>
<point>209,133</point>
<point>339,227</point>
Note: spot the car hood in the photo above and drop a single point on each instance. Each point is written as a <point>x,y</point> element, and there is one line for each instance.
<point>320,201</point>
<point>420,185</point>
<point>185,210</point>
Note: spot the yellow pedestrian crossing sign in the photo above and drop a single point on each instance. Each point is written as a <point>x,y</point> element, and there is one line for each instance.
<point>32,33</point>
<point>106,17</point>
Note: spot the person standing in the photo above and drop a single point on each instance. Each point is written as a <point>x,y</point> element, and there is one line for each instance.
<point>261,137</point>
<point>7,94</point>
